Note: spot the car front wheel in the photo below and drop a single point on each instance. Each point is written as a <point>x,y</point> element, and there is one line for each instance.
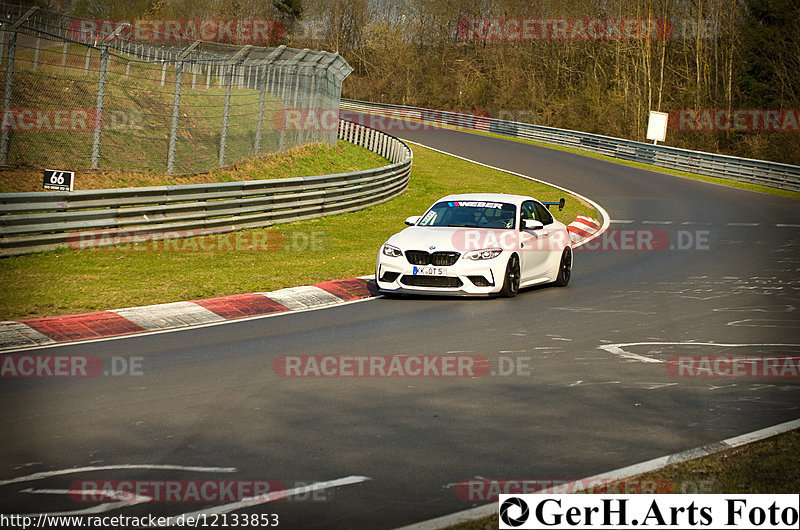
<point>564,268</point>
<point>511,282</point>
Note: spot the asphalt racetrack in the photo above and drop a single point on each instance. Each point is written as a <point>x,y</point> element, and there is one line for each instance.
<point>578,383</point>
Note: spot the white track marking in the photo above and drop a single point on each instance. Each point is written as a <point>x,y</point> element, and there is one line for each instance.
<point>581,382</point>
<point>653,386</point>
<point>764,323</point>
<point>616,349</point>
<point>758,309</point>
<point>596,311</point>
<point>140,499</point>
<point>106,506</point>
<point>99,508</point>
<point>249,502</point>
<point>88,469</point>
<point>619,349</point>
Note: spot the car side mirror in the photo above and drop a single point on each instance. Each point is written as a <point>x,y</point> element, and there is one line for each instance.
<point>411,221</point>
<point>531,224</point>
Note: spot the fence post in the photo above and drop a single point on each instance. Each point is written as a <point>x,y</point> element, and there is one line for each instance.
<point>101,92</point>
<point>231,68</point>
<point>5,136</point>
<point>64,56</point>
<point>282,140</point>
<point>176,105</point>
<point>88,59</point>
<point>98,112</point>
<point>261,96</point>
<point>36,54</point>
<point>223,138</point>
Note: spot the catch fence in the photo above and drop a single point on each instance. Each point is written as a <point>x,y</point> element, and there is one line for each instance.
<point>75,99</point>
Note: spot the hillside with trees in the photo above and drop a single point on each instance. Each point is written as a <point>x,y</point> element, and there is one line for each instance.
<point>727,71</point>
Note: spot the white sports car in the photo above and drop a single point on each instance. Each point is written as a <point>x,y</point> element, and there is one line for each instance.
<point>476,244</point>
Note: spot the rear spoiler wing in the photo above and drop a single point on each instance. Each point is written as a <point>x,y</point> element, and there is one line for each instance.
<point>560,204</point>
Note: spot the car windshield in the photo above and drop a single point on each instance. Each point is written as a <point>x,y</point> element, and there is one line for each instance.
<point>472,214</point>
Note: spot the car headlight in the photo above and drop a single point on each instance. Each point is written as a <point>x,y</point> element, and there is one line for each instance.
<point>393,252</point>
<point>488,253</point>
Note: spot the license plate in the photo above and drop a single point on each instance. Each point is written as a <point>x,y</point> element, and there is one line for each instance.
<point>430,271</point>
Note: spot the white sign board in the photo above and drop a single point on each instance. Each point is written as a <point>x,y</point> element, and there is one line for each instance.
<point>657,126</point>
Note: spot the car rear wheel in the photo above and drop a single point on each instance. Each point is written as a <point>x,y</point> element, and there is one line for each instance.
<point>511,282</point>
<point>564,268</point>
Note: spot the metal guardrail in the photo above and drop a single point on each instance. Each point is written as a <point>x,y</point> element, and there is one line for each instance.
<point>772,174</point>
<point>37,221</point>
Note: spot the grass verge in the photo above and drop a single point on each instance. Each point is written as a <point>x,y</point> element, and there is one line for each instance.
<point>71,281</point>
<point>768,466</point>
